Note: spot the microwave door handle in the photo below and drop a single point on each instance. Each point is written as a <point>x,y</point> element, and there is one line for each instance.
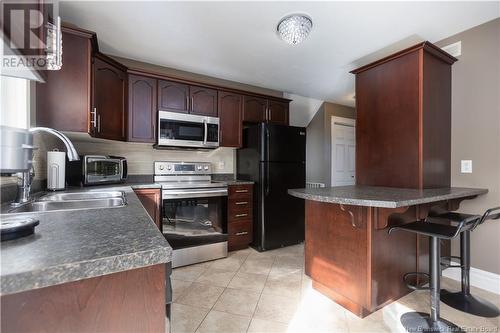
<point>206,131</point>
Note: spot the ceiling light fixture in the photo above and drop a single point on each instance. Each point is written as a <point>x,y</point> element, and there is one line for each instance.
<point>293,29</point>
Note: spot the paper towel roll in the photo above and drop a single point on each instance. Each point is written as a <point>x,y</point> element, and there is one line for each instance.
<point>56,170</point>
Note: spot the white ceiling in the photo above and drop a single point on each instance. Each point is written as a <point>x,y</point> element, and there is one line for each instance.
<point>237,40</point>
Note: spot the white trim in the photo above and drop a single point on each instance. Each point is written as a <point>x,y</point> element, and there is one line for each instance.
<point>478,278</point>
<point>339,121</point>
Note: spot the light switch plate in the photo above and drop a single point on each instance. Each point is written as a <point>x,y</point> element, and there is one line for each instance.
<point>466,166</point>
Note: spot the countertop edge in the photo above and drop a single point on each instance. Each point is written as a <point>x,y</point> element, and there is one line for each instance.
<point>383,203</point>
<point>100,267</point>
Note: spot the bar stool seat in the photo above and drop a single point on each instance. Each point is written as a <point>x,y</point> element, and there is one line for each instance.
<point>463,300</point>
<point>436,229</point>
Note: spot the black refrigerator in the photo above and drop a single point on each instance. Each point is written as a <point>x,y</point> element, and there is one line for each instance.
<point>273,156</point>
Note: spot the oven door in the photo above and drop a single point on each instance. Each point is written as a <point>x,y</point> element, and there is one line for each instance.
<point>194,217</point>
<point>186,130</point>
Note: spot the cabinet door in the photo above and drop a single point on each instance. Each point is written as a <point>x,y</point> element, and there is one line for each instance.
<point>278,112</point>
<point>203,101</point>
<point>230,109</point>
<point>63,102</point>
<point>173,96</point>
<point>142,109</point>
<point>109,100</point>
<point>151,201</point>
<point>254,109</point>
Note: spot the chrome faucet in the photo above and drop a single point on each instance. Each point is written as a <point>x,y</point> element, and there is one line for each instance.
<point>24,179</point>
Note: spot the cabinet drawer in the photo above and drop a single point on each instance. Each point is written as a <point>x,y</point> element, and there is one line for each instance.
<point>240,191</point>
<point>236,206</point>
<point>240,235</point>
<point>239,216</point>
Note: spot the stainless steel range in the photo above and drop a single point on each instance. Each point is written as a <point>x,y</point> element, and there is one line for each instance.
<point>193,211</point>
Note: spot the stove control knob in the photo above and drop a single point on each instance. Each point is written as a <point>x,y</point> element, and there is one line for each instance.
<point>199,167</point>
<point>161,167</point>
<point>206,167</point>
<point>169,167</point>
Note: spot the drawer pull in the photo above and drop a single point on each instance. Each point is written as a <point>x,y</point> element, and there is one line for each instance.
<point>241,215</point>
<point>241,233</point>
<point>241,203</point>
<point>241,191</point>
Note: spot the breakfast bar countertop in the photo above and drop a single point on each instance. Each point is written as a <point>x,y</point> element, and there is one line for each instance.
<point>383,197</point>
<point>73,245</point>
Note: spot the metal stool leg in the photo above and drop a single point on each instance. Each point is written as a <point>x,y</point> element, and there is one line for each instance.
<point>463,300</point>
<point>423,322</point>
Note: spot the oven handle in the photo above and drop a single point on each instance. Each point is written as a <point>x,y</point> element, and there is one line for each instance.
<point>186,194</point>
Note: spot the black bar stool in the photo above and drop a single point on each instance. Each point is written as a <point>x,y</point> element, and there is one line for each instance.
<point>423,322</point>
<point>463,300</point>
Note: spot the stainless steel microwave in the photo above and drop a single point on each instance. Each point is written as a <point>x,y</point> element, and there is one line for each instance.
<point>187,130</point>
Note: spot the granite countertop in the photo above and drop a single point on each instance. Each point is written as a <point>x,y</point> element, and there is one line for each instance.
<point>78,244</point>
<point>222,182</point>
<point>386,197</point>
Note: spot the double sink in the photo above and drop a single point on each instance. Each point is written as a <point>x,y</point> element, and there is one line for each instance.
<point>71,201</point>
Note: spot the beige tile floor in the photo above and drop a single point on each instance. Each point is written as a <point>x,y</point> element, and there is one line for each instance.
<point>268,292</point>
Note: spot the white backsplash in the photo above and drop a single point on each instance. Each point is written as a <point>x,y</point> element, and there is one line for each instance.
<point>140,156</point>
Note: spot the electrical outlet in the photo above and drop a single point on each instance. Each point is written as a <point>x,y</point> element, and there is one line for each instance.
<point>221,165</point>
<point>466,166</point>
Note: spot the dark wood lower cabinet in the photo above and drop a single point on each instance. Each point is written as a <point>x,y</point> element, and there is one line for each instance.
<point>151,200</point>
<point>352,259</point>
<point>129,301</point>
<point>240,216</point>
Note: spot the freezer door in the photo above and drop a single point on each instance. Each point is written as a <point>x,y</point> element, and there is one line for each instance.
<point>282,216</point>
<point>284,143</point>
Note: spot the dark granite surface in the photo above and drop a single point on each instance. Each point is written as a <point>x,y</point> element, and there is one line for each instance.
<point>74,245</point>
<point>387,197</point>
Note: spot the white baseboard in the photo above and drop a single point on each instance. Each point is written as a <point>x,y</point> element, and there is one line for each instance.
<point>478,278</point>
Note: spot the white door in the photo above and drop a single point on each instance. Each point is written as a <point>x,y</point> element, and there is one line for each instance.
<point>343,151</point>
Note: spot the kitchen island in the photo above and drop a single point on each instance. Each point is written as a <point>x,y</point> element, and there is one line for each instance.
<point>88,270</point>
<point>349,254</point>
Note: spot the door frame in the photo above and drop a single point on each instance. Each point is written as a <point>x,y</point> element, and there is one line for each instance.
<point>339,121</point>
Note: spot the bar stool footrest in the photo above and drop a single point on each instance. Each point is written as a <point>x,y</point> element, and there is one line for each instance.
<point>412,286</point>
<point>448,264</point>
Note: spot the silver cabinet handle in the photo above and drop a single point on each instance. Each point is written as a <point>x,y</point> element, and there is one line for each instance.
<point>192,103</point>
<point>242,233</point>
<point>98,123</point>
<point>241,203</point>
<point>240,215</point>
<point>241,191</point>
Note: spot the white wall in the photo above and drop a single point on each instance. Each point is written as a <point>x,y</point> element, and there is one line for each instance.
<point>302,109</point>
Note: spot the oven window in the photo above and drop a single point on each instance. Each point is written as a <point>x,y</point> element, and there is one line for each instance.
<point>193,217</point>
<point>181,130</point>
<point>103,168</point>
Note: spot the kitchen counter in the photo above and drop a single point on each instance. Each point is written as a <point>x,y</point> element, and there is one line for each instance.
<point>383,197</point>
<point>74,245</point>
<point>140,185</point>
<point>349,254</point>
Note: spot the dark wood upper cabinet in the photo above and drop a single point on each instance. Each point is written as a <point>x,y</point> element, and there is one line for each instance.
<point>203,101</point>
<point>142,110</point>
<point>230,111</point>
<point>277,112</point>
<point>63,101</point>
<point>173,96</point>
<point>254,109</point>
<point>109,92</point>
<point>403,125</point>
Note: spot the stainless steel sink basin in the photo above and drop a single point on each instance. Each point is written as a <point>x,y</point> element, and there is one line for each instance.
<point>72,201</point>
<point>81,196</point>
<point>43,206</point>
